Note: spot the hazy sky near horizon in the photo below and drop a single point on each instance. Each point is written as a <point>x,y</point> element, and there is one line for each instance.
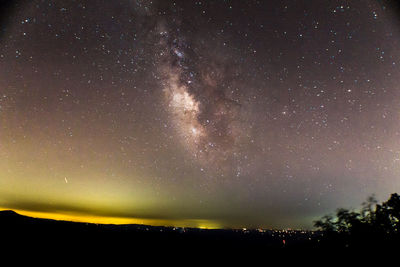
<point>224,113</point>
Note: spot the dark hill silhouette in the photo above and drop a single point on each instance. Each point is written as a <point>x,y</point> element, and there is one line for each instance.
<point>8,213</point>
<point>29,232</point>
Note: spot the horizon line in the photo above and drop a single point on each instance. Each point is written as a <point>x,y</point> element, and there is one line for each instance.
<point>110,220</point>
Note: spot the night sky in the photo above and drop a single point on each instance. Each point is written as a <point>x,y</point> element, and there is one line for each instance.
<point>266,114</point>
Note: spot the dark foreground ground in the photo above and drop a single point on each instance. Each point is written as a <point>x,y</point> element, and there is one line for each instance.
<point>22,232</point>
<point>26,239</point>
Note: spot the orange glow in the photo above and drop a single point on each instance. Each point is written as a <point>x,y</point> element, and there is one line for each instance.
<point>76,217</point>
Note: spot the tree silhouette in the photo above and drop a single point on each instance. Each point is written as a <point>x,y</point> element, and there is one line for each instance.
<point>376,225</point>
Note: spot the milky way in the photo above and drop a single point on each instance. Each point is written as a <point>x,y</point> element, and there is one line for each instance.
<point>198,91</point>
<point>198,113</point>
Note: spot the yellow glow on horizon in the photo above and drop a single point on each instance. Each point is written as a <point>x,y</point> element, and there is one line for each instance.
<point>84,218</point>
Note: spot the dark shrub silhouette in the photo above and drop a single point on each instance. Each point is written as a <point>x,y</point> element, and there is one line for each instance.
<point>375,226</point>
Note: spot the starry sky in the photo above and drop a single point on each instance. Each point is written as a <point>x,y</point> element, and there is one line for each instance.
<point>264,114</point>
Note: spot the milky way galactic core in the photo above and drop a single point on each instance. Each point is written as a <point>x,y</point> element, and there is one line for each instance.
<point>210,114</point>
